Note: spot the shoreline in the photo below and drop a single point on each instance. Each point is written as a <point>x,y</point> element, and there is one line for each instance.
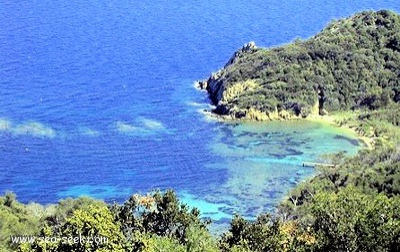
<point>332,120</point>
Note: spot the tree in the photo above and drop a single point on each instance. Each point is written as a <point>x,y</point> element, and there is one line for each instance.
<point>91,228</point>
<point>352,221</point>
<point>266,234</point>
<point>159,213</point>
<point>15,219</point>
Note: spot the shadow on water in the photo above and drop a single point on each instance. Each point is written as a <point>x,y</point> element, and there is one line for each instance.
<point>352,141</point>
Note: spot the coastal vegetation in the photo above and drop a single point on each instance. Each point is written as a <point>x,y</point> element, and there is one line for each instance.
<point>350,70</point>
<point>351,64</point>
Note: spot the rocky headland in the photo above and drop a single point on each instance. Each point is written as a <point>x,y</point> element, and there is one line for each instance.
<point>351,65</point>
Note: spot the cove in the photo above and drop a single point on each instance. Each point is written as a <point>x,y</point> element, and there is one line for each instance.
<point>96,99</point>
<point>263,161</point>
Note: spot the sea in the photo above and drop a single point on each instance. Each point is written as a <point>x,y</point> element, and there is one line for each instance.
<point>97,98</point>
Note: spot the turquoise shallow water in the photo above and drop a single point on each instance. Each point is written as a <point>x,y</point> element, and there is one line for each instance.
<point>97,98</point>
<point>264,160</point>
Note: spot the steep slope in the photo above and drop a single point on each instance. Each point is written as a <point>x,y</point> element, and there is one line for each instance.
<point>352,63</point>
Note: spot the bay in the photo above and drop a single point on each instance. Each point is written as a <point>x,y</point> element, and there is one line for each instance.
<point>97,98</point>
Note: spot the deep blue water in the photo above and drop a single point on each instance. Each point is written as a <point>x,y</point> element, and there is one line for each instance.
<point>97,98</point>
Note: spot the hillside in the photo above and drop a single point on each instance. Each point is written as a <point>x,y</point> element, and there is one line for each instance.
<point>353,63</point>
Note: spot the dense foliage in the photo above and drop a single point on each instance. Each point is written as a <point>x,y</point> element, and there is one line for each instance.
<point>153,222</point>
<point>347,218</point>
<point>353,206</point>
<point>353,63</point>
<point>372,171</point>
